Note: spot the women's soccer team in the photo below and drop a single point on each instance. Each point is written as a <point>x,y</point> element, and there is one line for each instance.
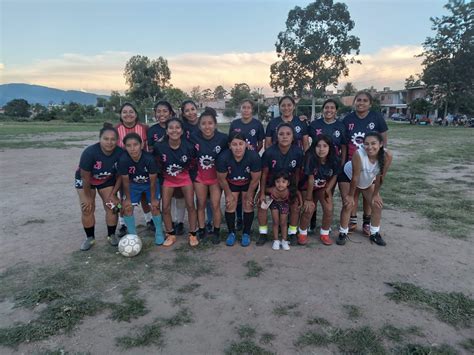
<point>185,164</point>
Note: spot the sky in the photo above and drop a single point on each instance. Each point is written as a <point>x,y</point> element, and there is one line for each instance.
<point>84,44</point>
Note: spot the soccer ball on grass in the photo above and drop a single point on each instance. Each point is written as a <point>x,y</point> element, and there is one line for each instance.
<point>130,245</point>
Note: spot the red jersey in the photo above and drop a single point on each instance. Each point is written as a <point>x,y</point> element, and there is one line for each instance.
<point>139,129</point>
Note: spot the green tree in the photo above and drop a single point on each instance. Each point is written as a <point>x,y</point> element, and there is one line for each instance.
<point>238,93</point>
<point>17,108</point>
<point>220,93</point>
<point>175,97</point>
<point>448,57</point>
<point>420,106</point>
<point>101,102</point>
<point>413,81</point>
<point>146,78</point>
<point>195,94</point>
<point>207,95</point>
<point>349,89</point>
<point>314,50</point>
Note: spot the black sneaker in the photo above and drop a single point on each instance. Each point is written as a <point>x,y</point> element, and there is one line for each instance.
<point>179,229</point>
<point>151,226</point>
<point>239,226</point>
<point>209,227</point>
<point>216,238</point>
<point>122,231</point>
<point>341,239</point>
<point>113,240</point>
<point>377,239</point>
<point>292,239</point>
<point>201,233</point>
<point>262,239</point>
<point>87,243</point>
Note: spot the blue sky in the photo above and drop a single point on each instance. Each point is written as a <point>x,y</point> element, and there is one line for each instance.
<point>72,35</point>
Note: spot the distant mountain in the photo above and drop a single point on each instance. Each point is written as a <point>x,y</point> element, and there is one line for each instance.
<point>44,95</point>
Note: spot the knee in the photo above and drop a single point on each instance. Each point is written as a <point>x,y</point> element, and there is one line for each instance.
<point>128,211</point>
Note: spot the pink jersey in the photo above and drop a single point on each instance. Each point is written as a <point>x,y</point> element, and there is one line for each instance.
<point>139,129</point>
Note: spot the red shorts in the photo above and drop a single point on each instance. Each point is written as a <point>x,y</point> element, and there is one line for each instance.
<point>177,181</point>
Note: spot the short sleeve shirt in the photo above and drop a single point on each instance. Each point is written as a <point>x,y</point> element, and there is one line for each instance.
<point>300,128</point>
<point>335,130</point>
<point>207,151</point>
<point>174,163</point>
<point>322,172</point>
<point>101,166</point>
<point>253,131</point>
<point>239,173</point>
<point>138,171</point>
<point>276,161</point>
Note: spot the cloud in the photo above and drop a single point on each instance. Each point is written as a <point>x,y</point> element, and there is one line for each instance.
<point>103,72</point>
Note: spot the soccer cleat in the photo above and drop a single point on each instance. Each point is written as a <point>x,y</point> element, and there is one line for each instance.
<point>239,225</point>
<point>230,241</point>
<point>170,240</point>
<point>122,231</point>
<point>151,226</point>
<point>113,240</point>
<point>302,239</point>
<point>366,229</point>
<point>325,239</point>
<point>179,228</point>
<point>262,239</point>
<point>285,245</point>
<point>216,238</point>
<point>292,239</point>
<point>276,245</point>
<point>377,239</point>
<point>201,233</point>
<point>193,240</point>
<point>209,227</point>
<point>341,239</point>
<point>87,243</point>
<point>245,242</point>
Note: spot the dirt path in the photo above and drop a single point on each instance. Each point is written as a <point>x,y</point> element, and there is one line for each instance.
<point>41,226</point>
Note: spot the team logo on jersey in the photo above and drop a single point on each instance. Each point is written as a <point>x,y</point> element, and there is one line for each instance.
<point>337,133</point>
<point>319,131</point>
<point>78,183</point>
<point>293,163</point>
<point>98,165</point>
<point>297,129</point>
<point>358,139</point>
<point>184,158</point>
<point>145,169</point>
<point>371,125</point>
<point>319,183</point>
<point>252,132</point>
<point>140,179</point>
<point>217,149</point>
<point>206,162</point>
<point>174,169</point>
<point>102,175</point>
<point>247,169</point>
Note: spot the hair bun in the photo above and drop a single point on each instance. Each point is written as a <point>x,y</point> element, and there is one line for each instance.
<point>108,125</point>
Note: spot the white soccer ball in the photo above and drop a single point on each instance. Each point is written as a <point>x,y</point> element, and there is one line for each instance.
<point>130,245</point>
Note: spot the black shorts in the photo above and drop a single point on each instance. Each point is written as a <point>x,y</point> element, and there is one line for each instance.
<point>239,188</point>
<point>342,177</point>
<point>78,184</point>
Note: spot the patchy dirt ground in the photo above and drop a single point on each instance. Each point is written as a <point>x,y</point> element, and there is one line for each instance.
<point>40,224</point>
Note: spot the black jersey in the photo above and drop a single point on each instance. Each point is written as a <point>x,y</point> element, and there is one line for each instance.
<point>322,172</point>
<point>300,128</point>
<point>253,131</point>
<point>239,173</point>
<point>101,166</point>
<point>207,151</point>
<point>276,161</point>
<point>154,134</point>
<point>335,130</point>
<point>190,129</point>
<point>174,163</point>
<point>138,171</point>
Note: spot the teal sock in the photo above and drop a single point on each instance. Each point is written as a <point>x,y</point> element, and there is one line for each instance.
<point>159,236</point>
<point>130,223</point>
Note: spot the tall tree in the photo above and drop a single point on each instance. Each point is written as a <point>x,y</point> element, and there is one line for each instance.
<point>314,50</point>
<point>207,95</point>
<point>195,93</point>
<point>17,108</point>
<point>239,92</point>
<point>349,89</point>
<point>146,78</point>
<point>220,93</point>
<point>175,97</point>
<point>413,81</point>
<point>448,57</point>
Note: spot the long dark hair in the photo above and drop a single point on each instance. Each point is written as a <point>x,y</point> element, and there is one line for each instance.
<point>381,153</point>
<point>209,111</point>
<point>167,105</point>
<point>311,153</point>
<point>366,93</point>
<point>132,135</point>
<point>290,178</point>
<point>134,109</point>
<point>183,104</point>
<point>171,120</point>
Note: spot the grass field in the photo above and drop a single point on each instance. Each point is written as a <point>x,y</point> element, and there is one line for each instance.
<point>147,299</point>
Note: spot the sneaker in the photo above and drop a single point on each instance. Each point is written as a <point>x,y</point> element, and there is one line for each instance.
<point>377,239</point>
<point>239,225</point>
<point>352,227</point>
<point>193,240</point>
<point>230,241</point>
<point>262,239</point>
<point>366,229</point>
<point>122,231</point>
<point>292,239</point>
<point>151,226</point>
<point>341,239</point>
<point>201,233</point>
<point>245,242</point>
<point>325,239</point>
<point>209,227</point>
<point>170,240</point>
<point>302,239</point>
<point>285,245</point>
<point>216,238</point>
<point>276,245</point>
<point>113,240</point>
<point>179,228</point>
<point>87,243</point>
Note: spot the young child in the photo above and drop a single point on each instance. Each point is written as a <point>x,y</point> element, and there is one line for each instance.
<point>139,170</point>
<point>365,173</point>
<point>321,168</point>
<point>281,194</point>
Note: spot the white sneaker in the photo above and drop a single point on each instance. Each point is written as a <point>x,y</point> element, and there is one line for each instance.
<point>285,245</point>
<point>276,245</point>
